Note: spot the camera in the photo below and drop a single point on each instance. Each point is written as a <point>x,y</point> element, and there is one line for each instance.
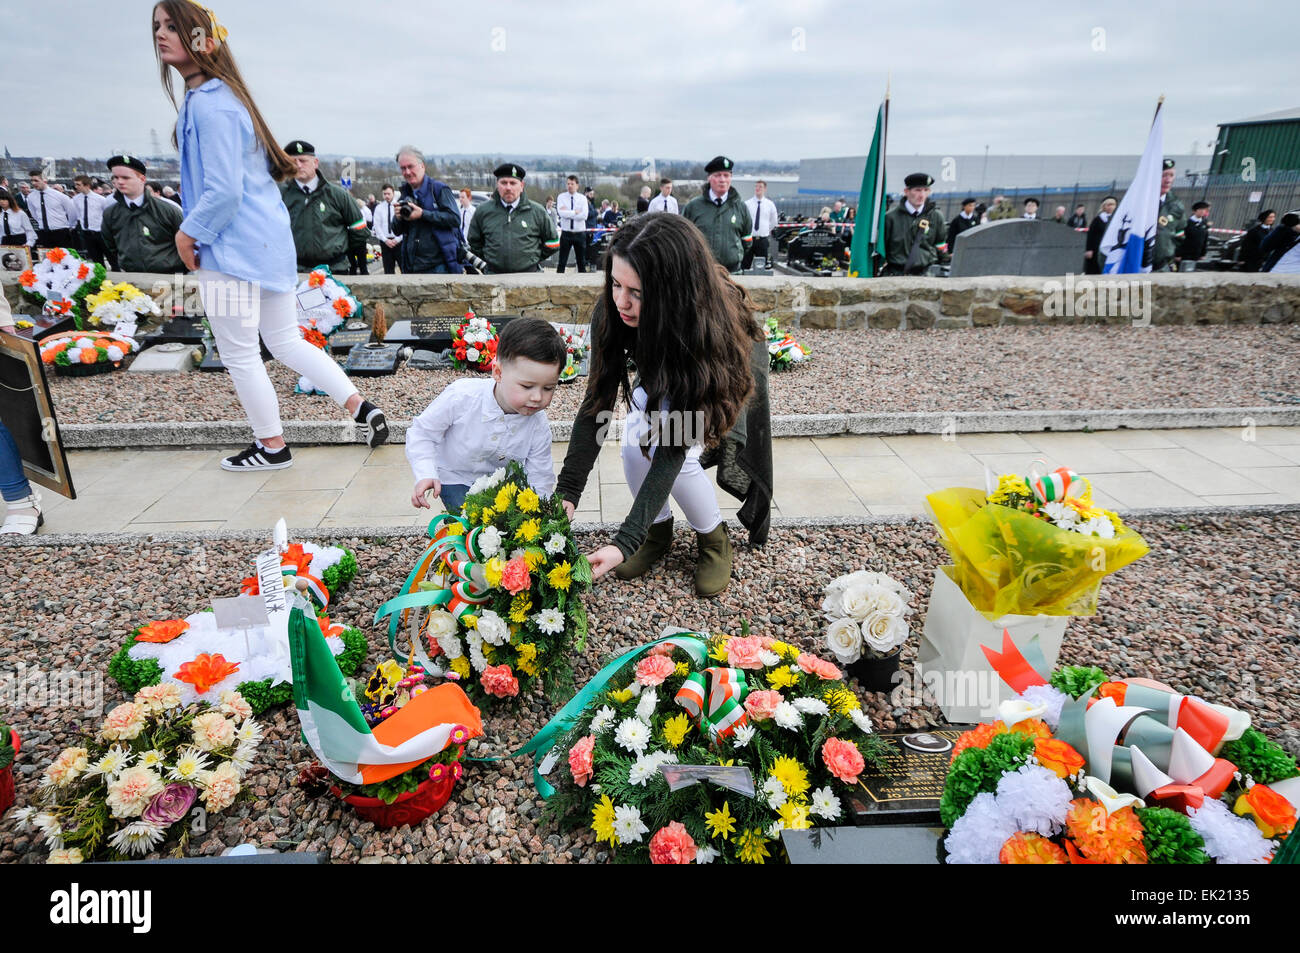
<point>404,207</point>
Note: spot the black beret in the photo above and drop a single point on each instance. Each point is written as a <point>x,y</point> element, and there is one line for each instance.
<point>1168,164</point>
<point>1031,199</point>
<point>968,200</point>
<point>508,170</point>
<point>918,180</point>
<point>719,164</point>
<point>131,162</point>
<point>300,147</point>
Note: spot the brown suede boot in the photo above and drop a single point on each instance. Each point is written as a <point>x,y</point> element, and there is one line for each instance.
<point>713,565</point>
<point>657,543</point>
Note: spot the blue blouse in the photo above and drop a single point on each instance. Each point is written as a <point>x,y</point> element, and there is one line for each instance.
<point>232,205</point>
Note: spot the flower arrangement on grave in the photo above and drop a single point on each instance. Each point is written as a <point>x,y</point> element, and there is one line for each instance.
<point>577,343</point>
<point>1033,545</point>
<point>9,747</point>
<point>115,302</point>
<point>1084,769</point>
<point>61,281</point>
<point>785,737</point>
<point>129,788</point>
<point>474,345</point>
<point>867,615</point>
<point>340,303</point>
<point>783,350</point>
<point>81,353</point>
<point>203,660</point>
<point>504,581</point>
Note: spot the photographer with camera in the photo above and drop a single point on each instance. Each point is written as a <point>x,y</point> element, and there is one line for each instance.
<point>428,220</point>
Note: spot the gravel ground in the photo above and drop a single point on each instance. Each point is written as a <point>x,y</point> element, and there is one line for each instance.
<point>1083,368</point>
<point>1214,610</point>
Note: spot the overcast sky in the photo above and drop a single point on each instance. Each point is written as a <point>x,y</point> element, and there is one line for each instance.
<point>673,78</point>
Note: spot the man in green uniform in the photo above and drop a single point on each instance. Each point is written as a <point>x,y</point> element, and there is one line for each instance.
<point>512,232</point>
<point>722,216</point>
<point>915,235</point>
<point>1171,222</point>
<point>139,229</point>
<point>325,219</point>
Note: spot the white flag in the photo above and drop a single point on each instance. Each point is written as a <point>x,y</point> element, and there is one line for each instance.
<point>1130,237</point>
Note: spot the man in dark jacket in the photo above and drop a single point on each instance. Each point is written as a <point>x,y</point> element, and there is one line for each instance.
<point>914,230</point>
<point>1281,248</point>
<point>721,215</point>
<point>1092,261</point>
<point>138,228</point>
<point>963,220</point>
<point>511,231</point>
<point>1080,218</point>
<point>324,217</point>
<point>428,220</point>
<point>1171,222</point>
<point>1250,257</point>
<point>1196,237</point>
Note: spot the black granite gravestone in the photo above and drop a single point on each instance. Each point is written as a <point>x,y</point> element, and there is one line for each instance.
<point>906,790</point>
<point>373,360</point>
<point>434,334</point>
<point>1018,246</point>
<point>348,336</point>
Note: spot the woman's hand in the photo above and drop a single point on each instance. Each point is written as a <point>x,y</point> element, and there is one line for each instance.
<point>604,559</point>
<point>185,247</point>
<point>568,509</point>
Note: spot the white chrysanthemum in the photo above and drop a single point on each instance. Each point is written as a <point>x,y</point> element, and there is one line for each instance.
<point>627,824</point>
<point>769,658</point>
<point>1049,696</point>
<point>811,706</point>
<point>242,758</point>
<point>1059,513</point>
<point>450,646</point>
<point>190,764</point>
<point>604,718</point>
<point>498,475</point>
<point>978,835</point>
<point>645,708</point>
<point>556,544</point>
<point>479,485</point>
<point>825,804</point>
<point>773,793</point>
<point>787,716</point>
<point>1229,839</point>
<point>139,837</point>
<point>646,767</point>
<point>744,735</point>
<point>550,621</point>
<point>489,541</point>
<point>250,732</point>
<point>774,829</point>
<point>1097,526</point>
<point>861,720</point>
<point>114,761</point>
<point>492,628</point>
<point>706,854</point>
<point>477,658</point>
<point>1035,800</point>
<point>49,825</point>
<point>151,758</point>
<point>22,817</point>
<point>632,734</point>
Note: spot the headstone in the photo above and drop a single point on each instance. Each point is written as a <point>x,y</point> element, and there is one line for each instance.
<point>435,333</point>
<point>1018,246</point>
<point>173,357</point>
<point>179,330</point>
<point>812,246</point>
<point>373,360</point>
<point>44,325</point>
<point>422,360</point>
<point>903,844</point>
<point>349,336</point>
<point>906,790</point>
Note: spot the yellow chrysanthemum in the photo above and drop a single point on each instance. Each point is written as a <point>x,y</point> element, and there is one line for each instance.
<point>718,652</point>
<point>794,816</point>
<point>675,729</point>
<point>493,569</point>
<point>791,774</point>
<point>602,820</point>
<point>503,497</point>
<point>456,528</point>
<point>488,515</point>
<point>471,621</point>
<point>489,651</point>
<point>535,558</point>
<point>561,576</point>
<point>720,822</point>
<point>785,649</point>
<point>682,669</point>
<point>751,846</point>
<point>841,700</point>
<point>461,666</point>
<point>527,501</point>
<point>726,762</point>
<point>622,695</point>
<point>528,531</point>
<point>520,606</point>
<point>780,678</point>
<point>527,658</point>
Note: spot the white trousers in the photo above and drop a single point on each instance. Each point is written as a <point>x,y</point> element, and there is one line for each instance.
<point>238,311</point>
<point>693,490</point>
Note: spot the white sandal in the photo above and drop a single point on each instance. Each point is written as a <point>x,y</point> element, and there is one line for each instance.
<point>20,520</point>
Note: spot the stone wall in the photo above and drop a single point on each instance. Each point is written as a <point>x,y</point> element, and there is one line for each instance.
<point>882,303</point>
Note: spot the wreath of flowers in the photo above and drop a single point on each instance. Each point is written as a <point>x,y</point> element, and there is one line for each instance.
<point>783,351</point>
<point>61,281</point>
<point>69,351</point>
<point>474,345</point>
<point>753,703</point>
<point>1016,792</point>
<point>113,302</point>
<point>577,343</point>
<point>131,786</point>
<point>342,304</point>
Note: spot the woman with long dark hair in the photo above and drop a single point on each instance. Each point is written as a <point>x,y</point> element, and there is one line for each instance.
<point>701,384</point>
<point>236,236</point>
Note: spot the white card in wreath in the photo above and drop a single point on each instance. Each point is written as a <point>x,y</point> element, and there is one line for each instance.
<point>125,328</point>
<point>312,298</point>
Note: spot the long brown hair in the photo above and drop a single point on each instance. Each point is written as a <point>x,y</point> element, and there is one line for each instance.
<point>192,20</point>
<point>693,342</point>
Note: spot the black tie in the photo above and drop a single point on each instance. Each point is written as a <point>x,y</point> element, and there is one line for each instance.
<point>306,191</point>
<point>758,214</point>
<point>45,218</point>
<point>85,211</point>
<point>718,202</point>
<point>6,218</point>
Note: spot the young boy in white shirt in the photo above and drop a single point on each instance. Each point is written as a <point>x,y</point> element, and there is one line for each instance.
<point>477,425</point>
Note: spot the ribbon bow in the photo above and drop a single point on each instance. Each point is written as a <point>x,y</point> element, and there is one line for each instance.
<point>1058,486</point>
<point>726,689</point>
<point>219,32</point>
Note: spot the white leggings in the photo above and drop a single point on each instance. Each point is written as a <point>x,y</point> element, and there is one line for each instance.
<point>238,310</point>
<point>692,490</point>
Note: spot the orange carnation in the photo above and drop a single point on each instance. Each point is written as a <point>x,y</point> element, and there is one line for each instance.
<point>1023,848</point>
<point>205,671</point>
<point>316,279</point>
<point>249,586</point>
<point>49,356</point>
<point>89,355</point>
<point>978,737</point>
<point>27,278</point>
<point>1271,812</point>
<point>56,255</point>
<point>84,270</point>
<point>1108,839</point>
<point>161,632</point>
<point>342,307</point>
<point>1058,756</point>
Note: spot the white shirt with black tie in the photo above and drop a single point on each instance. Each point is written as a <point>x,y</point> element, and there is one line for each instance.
<point>90,210</point>
<point>762,212</point>
<point>383,222</point>
<point>572,207</point>
<point>663,203</point>
<point>61,212</point>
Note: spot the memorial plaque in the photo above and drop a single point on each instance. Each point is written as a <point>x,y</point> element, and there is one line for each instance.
<point>422,360</point>
<point>434,334</point>
<point>373,360</point>
<point>173,357</point>
<point>1018,246</point>
<point>904,844</point>
<point>907,789</point>
<point>344,340</point>
<point>182,329</point>
<point>812,246</point>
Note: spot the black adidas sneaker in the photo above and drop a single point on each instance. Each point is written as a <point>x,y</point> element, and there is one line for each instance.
<point>376,424</point>
<point>258,457</point>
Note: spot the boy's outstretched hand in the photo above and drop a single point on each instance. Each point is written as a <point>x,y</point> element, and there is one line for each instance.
<point>419,494</point>
<point>604,559</point>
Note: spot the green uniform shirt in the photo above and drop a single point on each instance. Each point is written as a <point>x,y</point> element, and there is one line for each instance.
<point>1169,230</point>
<point>143,238</point>
<point>326,224</point>
<point>727,228</point>
<point>901,229</point>
<point>512,240</point>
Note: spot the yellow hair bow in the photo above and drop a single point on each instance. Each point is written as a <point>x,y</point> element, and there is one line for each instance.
<point>219,32</point>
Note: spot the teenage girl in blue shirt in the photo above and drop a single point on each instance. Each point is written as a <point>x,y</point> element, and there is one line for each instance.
<point>236,235</point>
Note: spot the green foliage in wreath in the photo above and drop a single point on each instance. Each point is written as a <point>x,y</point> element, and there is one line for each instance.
<point>1076,680</point>
<point>132,674</point>
<point>341,573</point>
<point>1169,837</point>
<point>978,770</point>
<point>1264,760</point>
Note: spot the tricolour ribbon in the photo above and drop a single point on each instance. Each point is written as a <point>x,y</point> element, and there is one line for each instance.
<point>725,690</point>
<point>1014,668</point>
<point>1058,486</point>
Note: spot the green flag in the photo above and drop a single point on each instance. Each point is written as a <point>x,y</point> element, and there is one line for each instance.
<point>867,252</point>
